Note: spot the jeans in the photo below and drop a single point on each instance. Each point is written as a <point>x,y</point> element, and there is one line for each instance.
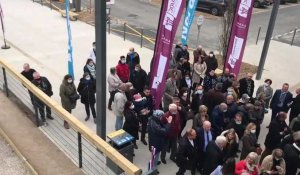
<point>41,108</point>
<point>119,122</point>
<point>87,109</point>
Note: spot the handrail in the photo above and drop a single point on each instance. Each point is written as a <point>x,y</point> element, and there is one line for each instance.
<point>91,136</point>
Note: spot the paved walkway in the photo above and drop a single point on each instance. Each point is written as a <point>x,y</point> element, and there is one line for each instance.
<point>39,36</point>
<point>39,151</point>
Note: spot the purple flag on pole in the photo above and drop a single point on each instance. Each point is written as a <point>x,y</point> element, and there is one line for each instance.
<point>238,36</point>
<point>171,13</point>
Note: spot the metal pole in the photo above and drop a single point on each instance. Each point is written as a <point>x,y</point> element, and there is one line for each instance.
<point>293,36</point>
<point>100,27</point>
<point>124,31</point>
<point>42,2</point>
<point>79,150</point>
<point>142,35</point>
<point>258,33</point>
<point>5,81</point>
<point>198,35</point>
<point>267,39</point>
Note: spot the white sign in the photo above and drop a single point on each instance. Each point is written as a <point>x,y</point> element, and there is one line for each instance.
<point>200,20</point>
<point>110,2</point>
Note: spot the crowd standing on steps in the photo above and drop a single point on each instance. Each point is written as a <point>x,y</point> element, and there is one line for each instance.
<point>209,123</point>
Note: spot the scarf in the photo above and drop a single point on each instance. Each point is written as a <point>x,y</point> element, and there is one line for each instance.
<point>92,70</point>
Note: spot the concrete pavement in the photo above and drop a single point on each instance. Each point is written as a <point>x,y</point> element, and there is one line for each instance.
<point>39,36</point>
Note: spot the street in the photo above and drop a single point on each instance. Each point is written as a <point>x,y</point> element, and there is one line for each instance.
<point>139,14</point>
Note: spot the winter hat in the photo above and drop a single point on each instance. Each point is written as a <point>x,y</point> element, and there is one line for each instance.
<point>158,113</point>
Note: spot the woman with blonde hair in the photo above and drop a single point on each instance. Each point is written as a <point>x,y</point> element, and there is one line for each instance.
<point>249,165</point>
<point>200,117</point>
<point>249,141</point>
<point>231,147</point>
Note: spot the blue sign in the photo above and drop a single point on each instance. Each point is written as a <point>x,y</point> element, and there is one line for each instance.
<point>70,47</point>
<point>188,19</point>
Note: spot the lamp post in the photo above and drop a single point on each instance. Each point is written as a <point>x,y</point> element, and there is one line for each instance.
<point>100,33</point>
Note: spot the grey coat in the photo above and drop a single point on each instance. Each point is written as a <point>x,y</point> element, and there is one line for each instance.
<point>65,91</point>
<point>169,93</point>
<point>268,91</point>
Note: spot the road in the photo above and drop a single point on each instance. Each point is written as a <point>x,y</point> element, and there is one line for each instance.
<point>142,14</point>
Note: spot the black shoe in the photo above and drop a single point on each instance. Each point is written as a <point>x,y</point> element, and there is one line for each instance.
<point>144,142</point>
<point>159,162</point>
<point>164,161</point>
<point>87,118</point>
<point>50,117</point>
<point>109,108</point>
<point>267,126</point>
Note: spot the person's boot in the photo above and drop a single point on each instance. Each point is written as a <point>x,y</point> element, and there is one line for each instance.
<point>66,125</point>
<point>50,117</point>
<point>87,118</point>
<point>144,141</point>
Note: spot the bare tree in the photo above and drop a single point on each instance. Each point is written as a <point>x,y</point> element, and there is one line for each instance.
<point>226,23</point>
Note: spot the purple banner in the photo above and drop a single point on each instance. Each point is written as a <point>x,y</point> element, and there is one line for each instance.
<point>171,13</point>
<point>238,36</point>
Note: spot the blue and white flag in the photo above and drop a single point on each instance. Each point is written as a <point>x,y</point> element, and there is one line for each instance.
<point>188,19</point>
<point>70,47</point>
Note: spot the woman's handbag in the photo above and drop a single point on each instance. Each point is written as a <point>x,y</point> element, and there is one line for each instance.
<point>74,97</point>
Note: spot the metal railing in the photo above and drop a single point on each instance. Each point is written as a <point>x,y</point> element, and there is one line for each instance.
<point>88,151</point>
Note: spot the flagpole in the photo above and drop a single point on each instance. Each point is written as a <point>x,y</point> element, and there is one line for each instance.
<point>2,25</point>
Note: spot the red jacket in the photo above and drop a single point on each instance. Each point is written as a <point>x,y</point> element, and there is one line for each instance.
<point>175,124</point>
<point>123,72</point>
<point>240,167</point>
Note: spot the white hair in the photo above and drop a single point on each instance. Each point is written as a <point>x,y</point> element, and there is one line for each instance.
<point>221,140</point>
<point>172,106</point>
<point>253,156</point>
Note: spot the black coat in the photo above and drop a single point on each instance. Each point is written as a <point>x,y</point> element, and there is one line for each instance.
<point>134,61</point>
<point>211,63</point>
<point>295,107</point>
<point>157,133</point>
<point>243,87</point>
<point>44,85</point>
<point>231,110</point>
<point>187,154</point>
<point>131,124</point>
<point>292,160</point>
<point>249,145</point>
<point>239,129</point>
<point>197,100</point>
<point>87,90</point>
<point>28,75</point>
<point>276,99</point>
<point>200,138</point>
<point>138,79</point>
<point>273,138</point>
<point>214,158</point>
<point>230,150</point>
<point>209,82</point>
<point>212,98</point>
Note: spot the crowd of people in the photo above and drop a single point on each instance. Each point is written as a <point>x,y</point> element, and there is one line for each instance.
<point>226,116</point>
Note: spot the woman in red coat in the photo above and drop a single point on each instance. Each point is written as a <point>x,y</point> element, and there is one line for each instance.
<point>249,165</point>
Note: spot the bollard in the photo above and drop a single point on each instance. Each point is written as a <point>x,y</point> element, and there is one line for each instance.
<point>124,31</point>
<point>258,33</point>
<point>293,36</point>
<point>142,35</point>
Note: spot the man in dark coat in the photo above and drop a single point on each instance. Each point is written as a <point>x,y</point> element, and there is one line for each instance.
<point>218,119</point>
<point>211,62</point>
<point>292,154</point>
<point>197,99</point>
<point>177,54</point>
<point>213,98</point>
<point>214,155</point>
<point>237,125</point>
<point>157,132</point>
<point>232,107</point>
<point>44,85</point>
<point>138,78</point>
<point>247,85</point>
<point>28,74</point>
<point>295,106</point>
<point>187,153</point>
<point>278,129</point>
<point>204,136</point>
<point>199,52</point>
<point>281,99</point>
<point>132,59</point>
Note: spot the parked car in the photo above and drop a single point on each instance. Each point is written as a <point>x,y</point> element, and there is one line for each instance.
<point>261,3</point>
<point>215,7</point>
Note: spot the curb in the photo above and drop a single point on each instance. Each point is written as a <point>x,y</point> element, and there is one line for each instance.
<point>19,154</point>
